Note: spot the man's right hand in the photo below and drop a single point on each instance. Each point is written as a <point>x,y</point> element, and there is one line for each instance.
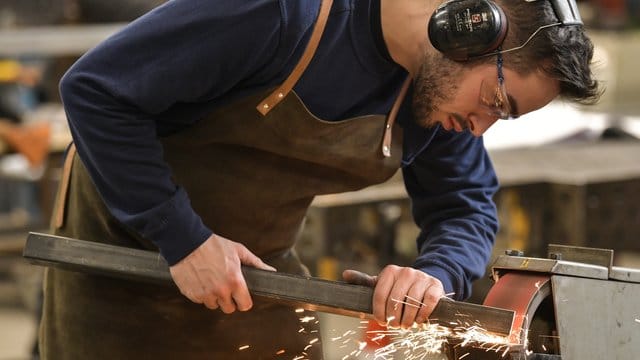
<point>212,275</point>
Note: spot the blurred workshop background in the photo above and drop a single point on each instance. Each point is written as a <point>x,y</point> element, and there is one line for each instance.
<point>569,174</point>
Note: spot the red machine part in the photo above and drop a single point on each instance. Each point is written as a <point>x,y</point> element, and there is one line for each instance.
<point>521,292</point>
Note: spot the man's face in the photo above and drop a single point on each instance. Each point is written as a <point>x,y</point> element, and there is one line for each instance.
<point>455,95</point>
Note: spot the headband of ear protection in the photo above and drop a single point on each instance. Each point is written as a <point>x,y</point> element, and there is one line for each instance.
<point>463,29</point>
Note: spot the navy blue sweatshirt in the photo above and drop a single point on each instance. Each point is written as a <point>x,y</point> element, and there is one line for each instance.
<point>169,68</point>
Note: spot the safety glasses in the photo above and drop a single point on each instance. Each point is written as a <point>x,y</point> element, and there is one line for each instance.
<point>494,96</point>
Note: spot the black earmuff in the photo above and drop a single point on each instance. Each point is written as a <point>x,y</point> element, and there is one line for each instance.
<point>462,29</point>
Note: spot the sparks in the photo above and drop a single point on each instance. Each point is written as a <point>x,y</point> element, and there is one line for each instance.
<point>422,340</point>
<point>415,344</point>
<point>299,310</point>
<point>243,347</point>
<point>427,339</point>
<point>280,352</point>
<point>307,319</point>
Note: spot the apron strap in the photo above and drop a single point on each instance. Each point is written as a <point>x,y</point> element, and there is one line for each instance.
<point>391,118</point>
<point>58,219</point>
<point>283,90</point>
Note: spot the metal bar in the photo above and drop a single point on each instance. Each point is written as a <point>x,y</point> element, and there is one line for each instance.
<point>308,292</point>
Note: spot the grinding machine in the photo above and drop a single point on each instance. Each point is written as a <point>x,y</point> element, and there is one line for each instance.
<point>572,305</point>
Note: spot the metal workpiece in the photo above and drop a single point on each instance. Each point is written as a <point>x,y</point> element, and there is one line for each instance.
<point>307,292</point>
<point>147,266</point>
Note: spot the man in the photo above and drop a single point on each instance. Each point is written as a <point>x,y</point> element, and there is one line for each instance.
<point>205,129</point>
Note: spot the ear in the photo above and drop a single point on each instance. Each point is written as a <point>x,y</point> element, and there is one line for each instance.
<point>461,29</point>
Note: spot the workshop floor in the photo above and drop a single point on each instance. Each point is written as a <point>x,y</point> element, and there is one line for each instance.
<point>17,333</point>
<point>18,286</point>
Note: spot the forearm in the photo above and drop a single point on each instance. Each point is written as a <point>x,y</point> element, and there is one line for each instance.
<point>124,159</point>
<point>456,252</point>
<point>452,184</point>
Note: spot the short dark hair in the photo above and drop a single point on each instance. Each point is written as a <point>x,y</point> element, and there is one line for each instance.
<point>562,52</point>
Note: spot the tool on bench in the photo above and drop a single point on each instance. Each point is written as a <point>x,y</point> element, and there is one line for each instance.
<point>307,292</point>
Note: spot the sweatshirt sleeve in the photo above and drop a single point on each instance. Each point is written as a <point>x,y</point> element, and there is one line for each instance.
<point>451,184</point>
<point>123,94</point>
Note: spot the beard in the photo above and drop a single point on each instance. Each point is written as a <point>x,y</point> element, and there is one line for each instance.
<point>436,83</point>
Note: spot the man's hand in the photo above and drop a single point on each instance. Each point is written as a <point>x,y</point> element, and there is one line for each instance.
<point>211,274</point>
<point>402,295</point>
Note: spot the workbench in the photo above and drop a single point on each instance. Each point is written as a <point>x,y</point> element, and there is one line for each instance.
<point>54,40</point>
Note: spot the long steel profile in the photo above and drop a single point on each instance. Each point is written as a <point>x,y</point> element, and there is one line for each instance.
<point>308,292</point>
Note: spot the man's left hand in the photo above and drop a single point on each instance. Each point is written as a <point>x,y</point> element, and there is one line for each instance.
<point>402,296</point>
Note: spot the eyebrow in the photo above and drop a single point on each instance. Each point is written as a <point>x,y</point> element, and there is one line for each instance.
<point>514,106</point>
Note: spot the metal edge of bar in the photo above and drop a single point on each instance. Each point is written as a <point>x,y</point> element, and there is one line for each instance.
<point>148,266</point>
<point>308,292</point>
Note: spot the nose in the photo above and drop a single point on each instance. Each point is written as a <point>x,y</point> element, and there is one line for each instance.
<point>479,124</point>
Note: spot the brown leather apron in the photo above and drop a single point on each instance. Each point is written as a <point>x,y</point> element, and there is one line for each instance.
<point>251,176</point>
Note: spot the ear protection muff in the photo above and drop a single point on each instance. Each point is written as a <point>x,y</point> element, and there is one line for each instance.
<point>462,29</point>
